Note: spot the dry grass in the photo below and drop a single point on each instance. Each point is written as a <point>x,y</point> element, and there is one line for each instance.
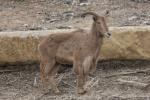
<point>20,85</point>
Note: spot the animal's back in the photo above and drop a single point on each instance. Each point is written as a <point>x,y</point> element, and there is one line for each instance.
<point>68,47</point>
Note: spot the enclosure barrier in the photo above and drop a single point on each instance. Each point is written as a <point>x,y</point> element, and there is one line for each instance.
<point>130,42</point>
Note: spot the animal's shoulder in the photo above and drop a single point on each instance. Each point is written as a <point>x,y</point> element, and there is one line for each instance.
<point>80,31</point>
<point>59,37</point>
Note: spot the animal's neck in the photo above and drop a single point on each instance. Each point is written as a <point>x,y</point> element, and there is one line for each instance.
<point>96,34</point>
<point>98,39</point>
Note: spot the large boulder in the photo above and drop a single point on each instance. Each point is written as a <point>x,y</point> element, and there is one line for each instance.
<point>132,42</point>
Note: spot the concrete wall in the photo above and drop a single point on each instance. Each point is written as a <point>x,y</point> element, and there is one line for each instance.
<point>132,42</point>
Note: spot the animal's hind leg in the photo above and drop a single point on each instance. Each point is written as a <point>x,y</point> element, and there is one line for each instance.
<point>52,80</point>
<point>48,64</point>
<point>42,74</point>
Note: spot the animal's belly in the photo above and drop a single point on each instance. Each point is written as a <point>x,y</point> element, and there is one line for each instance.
<point>64,56</point>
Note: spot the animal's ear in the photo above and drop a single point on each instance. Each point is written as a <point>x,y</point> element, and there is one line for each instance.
<point>107,13</point>
<point>94,18</point>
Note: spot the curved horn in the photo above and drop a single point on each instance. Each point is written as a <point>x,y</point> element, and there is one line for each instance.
<point>89,13</point>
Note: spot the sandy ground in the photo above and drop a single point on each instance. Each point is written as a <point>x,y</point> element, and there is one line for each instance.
<point>113,80</point>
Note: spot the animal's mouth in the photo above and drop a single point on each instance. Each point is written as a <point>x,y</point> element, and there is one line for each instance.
<point>108,35</point>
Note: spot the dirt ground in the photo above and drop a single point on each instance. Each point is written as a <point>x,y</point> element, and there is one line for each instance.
<point>55,14</point>
<point>113,79</point>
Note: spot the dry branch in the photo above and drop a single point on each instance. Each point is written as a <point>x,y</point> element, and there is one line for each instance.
<point>60,79</point>
<point>90,84</point>
<point>127,73</point>
<point>3,71</point>
<point>68,84</point>
<point>12,81</point>
<point>132,83</point>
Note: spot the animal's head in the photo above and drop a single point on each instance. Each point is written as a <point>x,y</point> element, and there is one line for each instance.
<point>99,23</point>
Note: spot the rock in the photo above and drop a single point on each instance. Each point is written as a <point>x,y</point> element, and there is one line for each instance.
<point>64,27</point>
<point>35,27</point>
<point>45,28</point>
<point>146,22</point>
<point>26,25</point>
<point>84,4</point>
<point>54,20</point>
<point>68,15</point>
<point>130,42</point>
<point>83,1</point>
<point>141,1</point>
<point>69,2</point>
<point>132,18</point>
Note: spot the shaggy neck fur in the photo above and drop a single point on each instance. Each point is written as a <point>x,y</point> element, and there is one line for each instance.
<point>99,39</point>
<point>96,33</point>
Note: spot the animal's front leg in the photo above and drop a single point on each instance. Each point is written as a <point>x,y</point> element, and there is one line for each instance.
<point>80,84</point>
<point>93,67</point>
<point>79,71</point>
<point>53,84</point>
<point>80,78</point>
<point>52,80</point>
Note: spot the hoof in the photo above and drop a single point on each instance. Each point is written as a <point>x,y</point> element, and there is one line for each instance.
<point>57,92</point>
<point>81,91</point>
<point>45,92</point>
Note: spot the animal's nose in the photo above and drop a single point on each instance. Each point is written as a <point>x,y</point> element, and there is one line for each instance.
<point>109,34</point>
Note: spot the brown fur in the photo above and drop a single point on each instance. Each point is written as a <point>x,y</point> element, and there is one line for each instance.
<point>79,48</point>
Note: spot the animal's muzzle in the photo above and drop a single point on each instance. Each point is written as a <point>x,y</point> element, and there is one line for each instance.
<point>108,34</point>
